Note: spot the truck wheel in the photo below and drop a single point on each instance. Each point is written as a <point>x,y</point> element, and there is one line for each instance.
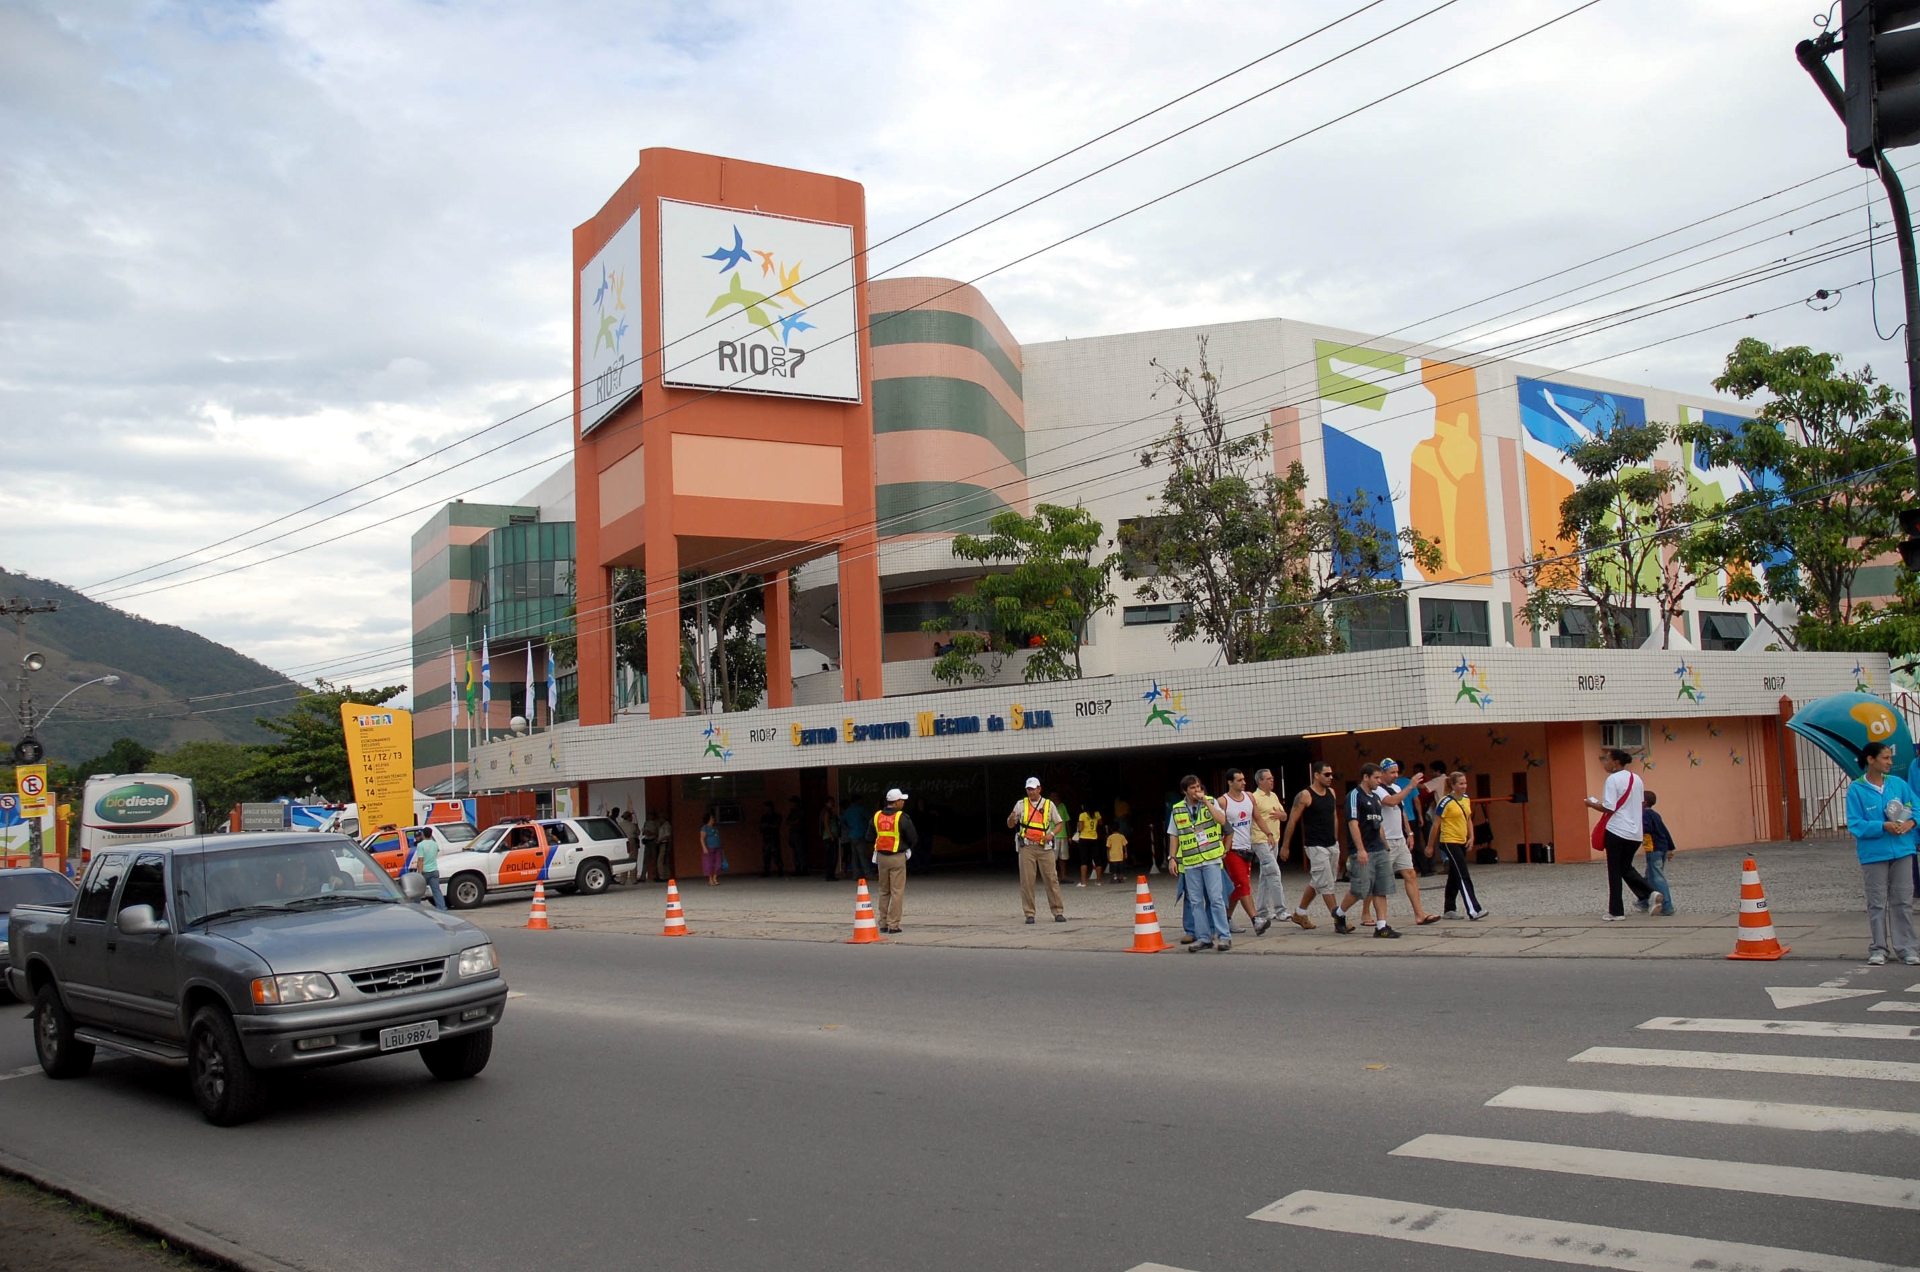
<point>225,1085</point>
<point>592,878</point>
<point>451,1059</point>
<point>466,891</point>
<point>61,1054</point>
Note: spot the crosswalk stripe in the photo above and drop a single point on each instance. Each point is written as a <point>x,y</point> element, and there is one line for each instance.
<point>19,1073</point>
<point>1895,1006</point>
<point>1660,1168</point>
<point>1745,1062</point>
<point>1549,1240</point>
<point>1788,996</point>
<point>1694,1108</point>
<point>1153,1267</point>
<point>1792,1028</point>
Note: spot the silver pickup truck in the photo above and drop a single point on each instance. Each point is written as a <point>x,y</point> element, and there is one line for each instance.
<point>234,954</point>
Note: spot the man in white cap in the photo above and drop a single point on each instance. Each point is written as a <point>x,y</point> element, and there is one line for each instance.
<point>894,839</point>
<point>1037,822</point>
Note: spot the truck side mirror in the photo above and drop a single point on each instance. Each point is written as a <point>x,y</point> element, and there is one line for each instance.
<point>139,920</point>
<point>414,886</point>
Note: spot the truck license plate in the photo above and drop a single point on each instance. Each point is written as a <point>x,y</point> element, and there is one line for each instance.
<point>409,1035</point>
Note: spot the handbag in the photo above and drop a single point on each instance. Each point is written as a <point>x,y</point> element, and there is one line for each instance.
<point>1600,827</point>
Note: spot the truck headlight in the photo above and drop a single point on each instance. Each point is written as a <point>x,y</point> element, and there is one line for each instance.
<point>300,987</point>
<point>478,959</point>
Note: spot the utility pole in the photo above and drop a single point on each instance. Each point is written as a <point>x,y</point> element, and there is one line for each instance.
<point>27,750</point>
<point>1879,44</point>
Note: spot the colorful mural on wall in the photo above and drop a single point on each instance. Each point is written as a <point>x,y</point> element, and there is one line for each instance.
<point>1406,431</point>
<point>1709,486</point>
<point>1554,417</point>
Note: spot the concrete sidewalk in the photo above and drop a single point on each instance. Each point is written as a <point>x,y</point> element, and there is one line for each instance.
<point>1813,890</point>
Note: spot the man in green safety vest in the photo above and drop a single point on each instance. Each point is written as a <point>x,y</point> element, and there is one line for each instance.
<point>1196,847</point>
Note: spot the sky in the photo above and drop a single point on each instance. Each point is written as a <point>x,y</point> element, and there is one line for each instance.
<point>259,255</point>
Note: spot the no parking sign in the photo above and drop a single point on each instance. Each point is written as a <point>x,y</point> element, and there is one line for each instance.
<point>32,781</point>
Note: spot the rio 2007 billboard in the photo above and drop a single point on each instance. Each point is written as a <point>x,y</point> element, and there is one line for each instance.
<point>757,303</point>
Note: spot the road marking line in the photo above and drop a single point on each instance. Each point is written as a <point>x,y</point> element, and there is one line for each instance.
<point>1786,996</point>
<point>1697,1108</point>
<point>1895,1006</point>
<point>1153,1267</point>
<point>1550,1240</point>
<point>1746,1062</point>
<point>1660,1168</point>
<point>1794,1028</point>
<point>19,1073</point>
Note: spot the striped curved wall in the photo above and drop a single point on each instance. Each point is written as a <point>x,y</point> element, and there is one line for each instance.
<point>949,416</point>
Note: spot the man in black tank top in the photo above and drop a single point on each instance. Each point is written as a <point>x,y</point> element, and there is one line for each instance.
<point>1316,810</point>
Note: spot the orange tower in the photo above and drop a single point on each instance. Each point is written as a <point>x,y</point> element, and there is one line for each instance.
<point>725,418</point>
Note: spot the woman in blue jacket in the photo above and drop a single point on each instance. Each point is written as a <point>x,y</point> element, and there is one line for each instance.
<point>1880,815</point>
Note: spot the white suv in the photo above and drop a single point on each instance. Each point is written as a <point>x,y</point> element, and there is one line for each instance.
<point>513,856</point>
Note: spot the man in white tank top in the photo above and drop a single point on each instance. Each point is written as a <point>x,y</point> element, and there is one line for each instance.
<point>1236,814</point>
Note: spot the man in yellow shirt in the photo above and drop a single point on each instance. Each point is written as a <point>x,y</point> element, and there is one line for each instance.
<point>1086,844</point>
<point>1269,819</point>
<point>1037,823</point>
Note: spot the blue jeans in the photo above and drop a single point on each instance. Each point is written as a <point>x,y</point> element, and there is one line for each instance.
<point>1657,877</point>
<point>1206,893</point>
<point>433,888</point>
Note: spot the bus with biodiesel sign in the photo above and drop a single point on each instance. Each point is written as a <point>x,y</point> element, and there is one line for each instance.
<point>133,808</point>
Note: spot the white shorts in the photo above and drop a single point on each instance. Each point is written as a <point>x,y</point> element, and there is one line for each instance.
<point>1323,868</point>
<point>1401,855</point>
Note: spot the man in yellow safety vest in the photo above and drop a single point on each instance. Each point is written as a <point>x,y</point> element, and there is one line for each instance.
<point>894,839</point>
<point>1037,823</point>
<point>1196,846</point>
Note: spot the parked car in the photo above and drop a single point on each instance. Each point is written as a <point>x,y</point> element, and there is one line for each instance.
<point>30,886</point>
<point>234,954</point>
<point>395,849</point>
<point>510,858</point>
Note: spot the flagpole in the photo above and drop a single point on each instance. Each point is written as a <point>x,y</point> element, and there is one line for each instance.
<point>453,721</point>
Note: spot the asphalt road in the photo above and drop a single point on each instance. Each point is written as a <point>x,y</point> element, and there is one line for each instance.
<point>743,1104</point>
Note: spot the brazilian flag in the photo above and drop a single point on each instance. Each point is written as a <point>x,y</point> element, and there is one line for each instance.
<point>473,690</point>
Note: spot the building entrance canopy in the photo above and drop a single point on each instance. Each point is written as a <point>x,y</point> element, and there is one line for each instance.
<point>1307,697</point>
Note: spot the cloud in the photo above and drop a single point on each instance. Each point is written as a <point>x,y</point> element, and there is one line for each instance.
<point>259,253</point>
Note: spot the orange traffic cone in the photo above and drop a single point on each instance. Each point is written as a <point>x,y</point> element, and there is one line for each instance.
<point>1146,922</point>
<point>865,930</point>
<point>676,921</point>
<point>537,917</point>
<point>1756,938</point>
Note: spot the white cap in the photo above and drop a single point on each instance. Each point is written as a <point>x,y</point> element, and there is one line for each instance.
<point>1033,783</point>
<point>895,794</point>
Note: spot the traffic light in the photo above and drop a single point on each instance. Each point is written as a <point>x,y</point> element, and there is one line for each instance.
<point>1880,56</point>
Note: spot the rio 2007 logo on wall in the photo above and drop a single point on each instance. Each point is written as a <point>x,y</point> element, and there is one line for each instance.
<point>757,303</point>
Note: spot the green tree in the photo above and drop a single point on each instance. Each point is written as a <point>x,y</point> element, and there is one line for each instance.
<point>1041,603</point>
<point>311,750</point>
<point>1258,571</point>
<point>1636,534</point>
<point>123,755</point>
<point>221,773</point>
<point>1836,442</point>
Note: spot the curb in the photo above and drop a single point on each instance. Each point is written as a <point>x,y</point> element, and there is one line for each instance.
<point>201,1244</point>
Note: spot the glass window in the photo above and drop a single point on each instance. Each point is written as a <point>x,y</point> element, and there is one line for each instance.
<point>488,838</point>
<point>147,884</point>
<point>601,828</point>
<point>96,894</point>
<point>1580,628</point>
<point>1450,622</point>
<point>34,887</point>
<point>1152,615</point>
<point>1375,622</point>
<point>456,832</point>
<point>559,833</point>
<point>1724,631</point>
<point>316,872</point>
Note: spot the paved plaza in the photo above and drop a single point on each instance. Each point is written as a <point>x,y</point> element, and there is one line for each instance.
<point>1813,889</point>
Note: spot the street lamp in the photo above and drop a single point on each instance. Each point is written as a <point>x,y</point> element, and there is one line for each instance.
<point>28,750</point>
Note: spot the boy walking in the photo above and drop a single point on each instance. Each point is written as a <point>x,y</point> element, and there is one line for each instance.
<point>1659,845</point>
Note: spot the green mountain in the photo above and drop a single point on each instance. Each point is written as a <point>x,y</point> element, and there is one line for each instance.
<point>174,687</point>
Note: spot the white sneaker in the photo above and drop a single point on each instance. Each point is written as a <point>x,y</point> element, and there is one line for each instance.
<point>1876,959</point>
<point>1613,918</point>
<point>1911,959</point>
<point>1657,903</point>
